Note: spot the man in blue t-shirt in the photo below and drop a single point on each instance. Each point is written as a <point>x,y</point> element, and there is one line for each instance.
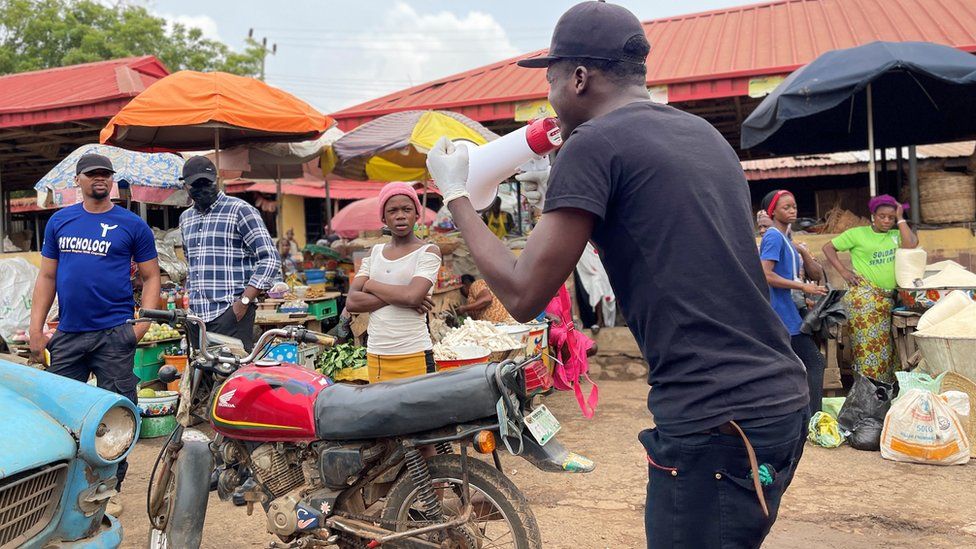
<point>663,198</point>
<point>86,257</point>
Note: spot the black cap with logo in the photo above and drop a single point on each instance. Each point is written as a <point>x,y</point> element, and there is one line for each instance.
<point>92,162</point>
<point>591,30</point>
<point>199,167</point>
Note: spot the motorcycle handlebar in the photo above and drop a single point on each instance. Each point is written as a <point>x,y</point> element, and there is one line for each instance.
<point>158,314</point>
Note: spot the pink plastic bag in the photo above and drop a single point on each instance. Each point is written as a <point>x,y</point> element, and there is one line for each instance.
<point>570,347</point>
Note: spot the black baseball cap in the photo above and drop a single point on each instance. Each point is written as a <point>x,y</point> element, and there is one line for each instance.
<point>91,162</point>
<point>199,167</point>
<point>591,30</point>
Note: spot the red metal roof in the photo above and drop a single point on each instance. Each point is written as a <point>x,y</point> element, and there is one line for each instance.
<point>76,92</point>
<point>705,55</point>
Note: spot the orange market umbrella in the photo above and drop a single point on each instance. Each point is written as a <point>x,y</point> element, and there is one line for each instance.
<point>191,110</point>
<point>364,215</point>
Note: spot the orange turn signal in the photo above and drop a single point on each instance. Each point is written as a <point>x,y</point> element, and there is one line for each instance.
<point>484,442</point>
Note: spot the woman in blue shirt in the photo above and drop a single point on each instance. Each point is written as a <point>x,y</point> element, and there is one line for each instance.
<point>785,265</point>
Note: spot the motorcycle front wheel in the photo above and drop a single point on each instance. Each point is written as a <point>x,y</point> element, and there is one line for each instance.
<point>502,517</point>
<point>177,523</point>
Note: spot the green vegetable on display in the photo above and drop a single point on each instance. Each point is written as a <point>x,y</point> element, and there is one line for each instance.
<point>340,357</point>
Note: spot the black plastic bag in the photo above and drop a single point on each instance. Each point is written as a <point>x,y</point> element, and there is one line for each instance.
<point>868,398</point>
<point>866,435</point>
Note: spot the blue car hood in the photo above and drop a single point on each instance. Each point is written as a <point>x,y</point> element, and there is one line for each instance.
<point>28,436</point>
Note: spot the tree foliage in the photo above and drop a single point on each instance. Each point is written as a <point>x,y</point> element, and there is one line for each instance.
<point>40,34</point>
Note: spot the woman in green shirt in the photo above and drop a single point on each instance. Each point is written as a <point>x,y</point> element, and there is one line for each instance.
<point>872,282</point>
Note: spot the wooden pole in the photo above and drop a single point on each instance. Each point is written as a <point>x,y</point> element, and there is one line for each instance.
<point>220,182</point>
<point>280,217</point>
<point>872,174</point>
<point>328,209</point>
<point>913,186</point>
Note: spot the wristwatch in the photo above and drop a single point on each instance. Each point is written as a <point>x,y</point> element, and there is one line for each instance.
<point>245,300</point>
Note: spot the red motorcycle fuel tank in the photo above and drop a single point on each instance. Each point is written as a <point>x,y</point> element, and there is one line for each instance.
<point>268,403</point>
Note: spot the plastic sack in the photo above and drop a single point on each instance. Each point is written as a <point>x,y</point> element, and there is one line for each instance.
<point>832,405</point>
<point>17,277</point>
<point>866,435</point>
<point>867,398</point>
<point>922,428</point>
<point>823,431</point>
<point>918,380</point>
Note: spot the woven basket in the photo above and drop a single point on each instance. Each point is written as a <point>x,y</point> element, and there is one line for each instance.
<point>947,197</point>
<point>955,382</point>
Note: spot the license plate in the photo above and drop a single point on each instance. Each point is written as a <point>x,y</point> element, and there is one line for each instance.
<point>542,424</point>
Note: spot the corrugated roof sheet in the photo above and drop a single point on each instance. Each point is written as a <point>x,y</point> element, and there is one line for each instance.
<point>842,163</point>
<point>707,55</point>
<point>74,92</point>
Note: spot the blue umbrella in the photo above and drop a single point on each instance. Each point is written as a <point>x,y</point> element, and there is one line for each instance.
<point>882,94</point>
<point>154,170</point>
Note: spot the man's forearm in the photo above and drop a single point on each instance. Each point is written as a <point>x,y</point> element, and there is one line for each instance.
<point>150,292</point>
<point>44,291</point>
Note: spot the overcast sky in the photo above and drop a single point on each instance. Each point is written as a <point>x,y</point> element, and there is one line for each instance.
<point>338,53</point>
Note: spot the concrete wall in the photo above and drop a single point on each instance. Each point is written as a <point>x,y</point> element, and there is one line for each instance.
<point>957,244</point>
<point>293,216</point>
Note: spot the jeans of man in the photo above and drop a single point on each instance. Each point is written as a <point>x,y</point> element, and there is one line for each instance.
<point>806,348</point>
<point>700,493</point>
<point>109,354</point>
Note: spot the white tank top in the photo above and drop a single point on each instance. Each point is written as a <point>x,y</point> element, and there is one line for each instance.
<point>397,330</point>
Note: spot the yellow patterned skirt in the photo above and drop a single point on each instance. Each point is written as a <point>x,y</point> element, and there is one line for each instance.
<point>869,315</point>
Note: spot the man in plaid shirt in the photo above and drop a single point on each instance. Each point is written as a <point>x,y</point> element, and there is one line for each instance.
<point>230,254</point>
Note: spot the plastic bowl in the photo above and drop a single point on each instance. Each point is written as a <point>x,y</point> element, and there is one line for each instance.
<point>473,354</point>
<point>164,403</point>
<point>518,332</point>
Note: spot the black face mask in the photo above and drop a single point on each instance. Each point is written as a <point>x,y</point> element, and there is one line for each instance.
<point>204,196</point>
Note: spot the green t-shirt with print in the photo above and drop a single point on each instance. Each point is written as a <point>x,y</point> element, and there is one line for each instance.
<point>872,254</point>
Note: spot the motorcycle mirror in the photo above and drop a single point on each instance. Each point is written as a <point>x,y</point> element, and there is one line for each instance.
<point>168,374</point>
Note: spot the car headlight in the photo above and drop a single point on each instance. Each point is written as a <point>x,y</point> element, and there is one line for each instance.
<point>115,433</point>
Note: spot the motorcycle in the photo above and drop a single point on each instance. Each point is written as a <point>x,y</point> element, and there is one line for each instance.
<point>351,466</point>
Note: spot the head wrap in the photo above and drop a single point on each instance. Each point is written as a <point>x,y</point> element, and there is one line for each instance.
<point>394,189</point>
<point>884,200</point>
<point>770,200</point>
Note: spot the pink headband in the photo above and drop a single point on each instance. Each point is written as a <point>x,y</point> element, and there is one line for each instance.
<point>394,189</point>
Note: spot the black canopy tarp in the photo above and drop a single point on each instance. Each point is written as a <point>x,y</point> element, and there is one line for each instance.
<point>920,92</point>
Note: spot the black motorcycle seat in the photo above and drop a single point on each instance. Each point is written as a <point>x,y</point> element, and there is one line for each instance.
<point>406,406</point>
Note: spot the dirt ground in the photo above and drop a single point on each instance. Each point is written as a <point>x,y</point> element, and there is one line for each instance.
<point>841,498</point>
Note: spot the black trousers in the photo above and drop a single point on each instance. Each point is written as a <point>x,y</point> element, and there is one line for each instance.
<point>228,325</point>
<point>699,492</point>
<point>109,354</point>
<point>806,348</point>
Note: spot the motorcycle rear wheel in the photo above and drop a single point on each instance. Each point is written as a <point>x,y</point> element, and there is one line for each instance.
<point>185,499</point>
<point>504,517</point>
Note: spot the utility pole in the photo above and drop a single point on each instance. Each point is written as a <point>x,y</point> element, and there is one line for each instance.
<point>264,50</point>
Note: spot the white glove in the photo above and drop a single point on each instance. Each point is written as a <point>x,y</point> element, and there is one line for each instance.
<point>534,184</point>
<point>448,167</point>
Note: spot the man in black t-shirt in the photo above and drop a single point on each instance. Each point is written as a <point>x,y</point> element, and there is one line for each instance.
<point>663,197</point>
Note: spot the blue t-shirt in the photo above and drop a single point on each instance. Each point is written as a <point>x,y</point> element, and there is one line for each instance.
<point>93,252</point>
<point>776,247</point>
